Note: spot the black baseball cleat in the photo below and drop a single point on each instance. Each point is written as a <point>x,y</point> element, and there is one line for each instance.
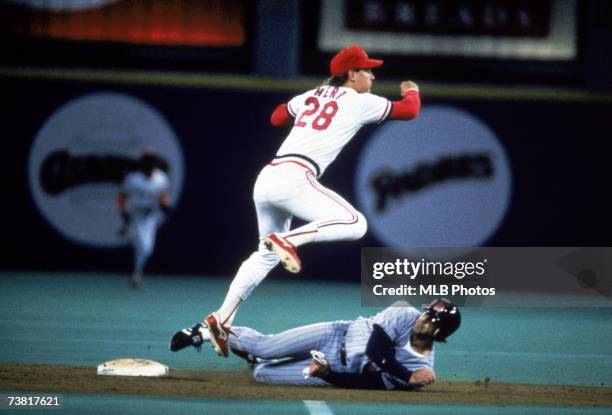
<point>187,337</point>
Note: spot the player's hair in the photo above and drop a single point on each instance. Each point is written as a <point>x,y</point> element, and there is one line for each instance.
<point>338,80</point>
<point>147,162</point>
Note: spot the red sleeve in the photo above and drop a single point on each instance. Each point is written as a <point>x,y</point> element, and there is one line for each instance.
<point>281,117</point>
<point>408,108</point>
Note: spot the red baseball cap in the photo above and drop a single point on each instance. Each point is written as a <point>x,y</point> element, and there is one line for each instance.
<point>352,57</point>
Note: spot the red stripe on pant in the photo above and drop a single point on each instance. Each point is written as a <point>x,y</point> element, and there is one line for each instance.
<point>354,217</point>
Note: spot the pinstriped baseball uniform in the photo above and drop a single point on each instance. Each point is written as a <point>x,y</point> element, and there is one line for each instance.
<point>343,342</point>
<point>326,119</point>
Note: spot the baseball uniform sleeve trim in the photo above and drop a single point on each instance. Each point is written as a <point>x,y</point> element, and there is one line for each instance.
<point>291,111</point>
<point>386,112</point>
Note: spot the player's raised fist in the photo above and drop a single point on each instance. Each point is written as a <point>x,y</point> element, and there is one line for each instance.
<point>408,86</point>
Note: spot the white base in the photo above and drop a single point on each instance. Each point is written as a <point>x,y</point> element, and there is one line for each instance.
<point>133,367</point>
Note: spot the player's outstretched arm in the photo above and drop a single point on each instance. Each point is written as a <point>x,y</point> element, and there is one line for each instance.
<point>381,349</point>
<point>281,117</point>
<point>409,107</point>
<point>320,368</point>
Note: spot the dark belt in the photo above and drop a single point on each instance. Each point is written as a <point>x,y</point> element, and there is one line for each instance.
<point>343,350</point>
<point>305,158</point>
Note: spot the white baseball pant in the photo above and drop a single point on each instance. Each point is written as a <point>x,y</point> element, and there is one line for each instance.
<point>288,188</point>
<point>286,354</point>
<point>144,230</point>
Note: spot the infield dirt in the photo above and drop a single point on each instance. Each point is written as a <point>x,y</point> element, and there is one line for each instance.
<point>240,385</point>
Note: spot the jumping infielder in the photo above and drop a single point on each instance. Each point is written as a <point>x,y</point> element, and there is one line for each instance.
<point>142,199</point>
<point>324,120</point>
<point>391,350</point>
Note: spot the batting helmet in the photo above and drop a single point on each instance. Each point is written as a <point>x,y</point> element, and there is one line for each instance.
<point>445,317</point>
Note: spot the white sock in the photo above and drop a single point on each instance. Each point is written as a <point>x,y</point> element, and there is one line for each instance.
<point>228,309</point>
<point>205,334</point>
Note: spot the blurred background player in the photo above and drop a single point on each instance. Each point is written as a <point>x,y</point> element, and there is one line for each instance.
<point>143,201</point>
<point>392,350</point>
<point>324,120</point>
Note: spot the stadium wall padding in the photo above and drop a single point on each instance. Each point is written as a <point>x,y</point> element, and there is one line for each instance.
<point>557,154</point>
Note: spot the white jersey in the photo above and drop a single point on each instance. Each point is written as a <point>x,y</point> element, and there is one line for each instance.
<point>143,192</point>
<point>326,118</point>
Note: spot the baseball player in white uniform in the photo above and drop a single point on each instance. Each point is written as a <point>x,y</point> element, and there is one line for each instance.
<point>143,200</point>
<point>392,350</point>
<point>323,121</point>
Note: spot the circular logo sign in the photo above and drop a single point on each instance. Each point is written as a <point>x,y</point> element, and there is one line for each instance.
<point>80,155</point>
<point>440,180</point>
